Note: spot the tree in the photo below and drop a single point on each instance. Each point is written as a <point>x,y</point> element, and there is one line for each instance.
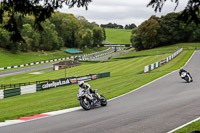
<point>49,37</point>
<point>84,38</point>
<point>136,39</point>
<point>4,39</point>
<point>98,36</point>
<point>110,25</point>
<point>40,9</point>
<point>190,14</point>
<point>66,26</point>
<point>130,26</point>
<point>162,31</point>
<point>171,31</point>
<point>146,35</point>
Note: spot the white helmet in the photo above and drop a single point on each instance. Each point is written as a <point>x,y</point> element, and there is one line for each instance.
<point>81,83</point>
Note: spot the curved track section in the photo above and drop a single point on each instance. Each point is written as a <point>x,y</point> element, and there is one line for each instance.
<point>156,108</point>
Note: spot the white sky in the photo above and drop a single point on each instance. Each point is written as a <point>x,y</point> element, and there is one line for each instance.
<point>122,11</point>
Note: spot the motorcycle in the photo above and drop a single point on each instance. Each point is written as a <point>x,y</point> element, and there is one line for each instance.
<point>90,100</point>
<point>186,77</point>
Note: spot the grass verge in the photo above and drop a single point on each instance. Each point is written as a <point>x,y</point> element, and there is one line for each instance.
<point>189,128</point>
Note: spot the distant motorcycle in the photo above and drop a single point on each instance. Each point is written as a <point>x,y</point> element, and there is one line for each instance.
<point>90,100</point>
<point>185,75</point>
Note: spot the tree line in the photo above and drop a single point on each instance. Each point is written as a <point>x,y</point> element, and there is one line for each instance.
<point>112,25</point>
<point>130,26</point>
<point>117,26</point>
<point>165,30</point>
<point>58,31</point>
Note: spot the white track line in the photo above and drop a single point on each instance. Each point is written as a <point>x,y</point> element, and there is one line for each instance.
<point>184,125</point>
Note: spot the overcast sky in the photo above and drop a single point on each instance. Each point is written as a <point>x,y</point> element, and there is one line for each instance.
<point>122,11</point>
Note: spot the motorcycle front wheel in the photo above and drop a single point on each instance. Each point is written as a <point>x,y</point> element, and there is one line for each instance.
<point>103,101</point>
<point>85,103</point>
<point>187,79</point>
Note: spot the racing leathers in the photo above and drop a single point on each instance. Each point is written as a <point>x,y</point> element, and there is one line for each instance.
<point>87,87</point>
<point>181,71</point>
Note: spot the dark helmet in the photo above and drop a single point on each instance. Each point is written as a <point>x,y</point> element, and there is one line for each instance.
<point>181,69</point>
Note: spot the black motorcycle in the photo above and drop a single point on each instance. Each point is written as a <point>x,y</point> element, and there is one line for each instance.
<point>90,100</point>
<point>186,76</point>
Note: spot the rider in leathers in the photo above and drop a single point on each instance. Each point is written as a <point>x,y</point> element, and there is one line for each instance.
<point>183,70</point>
<point>86,86</point>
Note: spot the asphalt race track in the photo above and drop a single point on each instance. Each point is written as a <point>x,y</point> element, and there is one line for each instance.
<point>156,108</point>
<point>24,70</point>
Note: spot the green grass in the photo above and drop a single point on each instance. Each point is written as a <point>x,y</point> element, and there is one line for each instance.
<point>124,78</point>
<point>189,128</point>
<point>10,59</point>
<point>118,36</point>
<point>122,66</point>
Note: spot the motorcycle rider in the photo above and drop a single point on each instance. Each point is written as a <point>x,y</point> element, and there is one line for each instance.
<point>182,71</point>
<point>86,86</point>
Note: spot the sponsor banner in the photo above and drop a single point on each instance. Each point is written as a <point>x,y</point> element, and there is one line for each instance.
<point>85,78</point>
<point>68,81</point>
<point>55,83</point>
<point>73,80</point>
<point>94,77</point>
<point>162,62</point>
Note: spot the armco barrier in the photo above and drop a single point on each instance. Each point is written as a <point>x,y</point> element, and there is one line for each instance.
<point>49,84</point>
<point>158,64</point>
